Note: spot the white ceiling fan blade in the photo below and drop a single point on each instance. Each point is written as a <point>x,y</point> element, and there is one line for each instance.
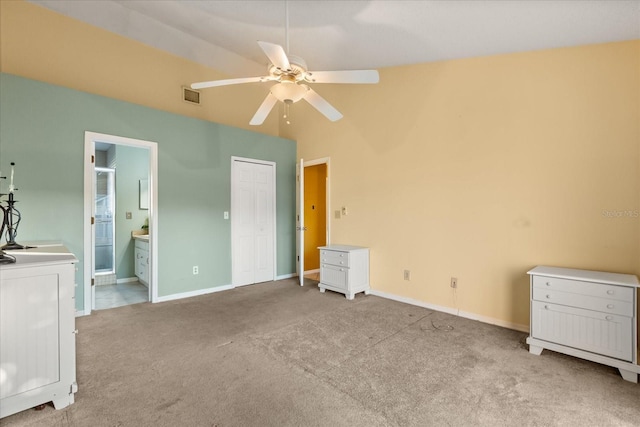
<point>214,83</point>
<point>264,110</point>
<point>349,76</point>
<point>276,55</point>
<point>320,104</point>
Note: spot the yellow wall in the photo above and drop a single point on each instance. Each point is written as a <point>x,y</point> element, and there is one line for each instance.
<point>315,214</point>
<point>43,45</point>
<point>483,168</point>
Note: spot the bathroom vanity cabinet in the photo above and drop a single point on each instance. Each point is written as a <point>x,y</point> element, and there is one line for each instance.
<point>142,258</point>
<point>37,329</point>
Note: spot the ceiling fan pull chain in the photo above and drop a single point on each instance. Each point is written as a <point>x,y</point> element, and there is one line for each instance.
<point>287,114</point>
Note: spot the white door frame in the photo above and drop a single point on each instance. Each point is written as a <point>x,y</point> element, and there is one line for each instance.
<point>90,139</point>
<point>233,231</point>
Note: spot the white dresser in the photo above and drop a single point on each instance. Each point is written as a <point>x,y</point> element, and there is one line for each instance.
<point>344,269</point>
<point>37,329</point>
<point>587,314</point>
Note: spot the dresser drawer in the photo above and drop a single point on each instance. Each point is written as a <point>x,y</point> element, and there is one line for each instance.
<point>600,333</point>
<point>334,258</point>
<point>588,302</point>
<point>333,275</point>
<point>612,292</point>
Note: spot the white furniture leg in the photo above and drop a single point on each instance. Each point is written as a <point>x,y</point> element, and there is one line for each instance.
<point>534,349</point>
<point>629,376</point>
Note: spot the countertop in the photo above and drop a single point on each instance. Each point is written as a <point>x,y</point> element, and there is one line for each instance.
<point>50,254</point>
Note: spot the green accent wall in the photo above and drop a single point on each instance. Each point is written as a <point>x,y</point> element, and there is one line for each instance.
<point>131,165</point>
<point>42,130</point>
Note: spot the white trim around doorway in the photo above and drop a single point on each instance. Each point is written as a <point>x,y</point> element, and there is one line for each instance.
<point>90,139</point>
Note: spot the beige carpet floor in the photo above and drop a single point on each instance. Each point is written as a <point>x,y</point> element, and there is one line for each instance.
<point>276,354</point>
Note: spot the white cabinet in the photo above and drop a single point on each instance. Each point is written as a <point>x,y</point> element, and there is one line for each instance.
<point>142,260</point>
<point>37,330</point>
<point>587,314</point>
<point>344,269</point>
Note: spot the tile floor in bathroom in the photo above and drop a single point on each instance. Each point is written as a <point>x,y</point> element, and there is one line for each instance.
<point>110,296</point>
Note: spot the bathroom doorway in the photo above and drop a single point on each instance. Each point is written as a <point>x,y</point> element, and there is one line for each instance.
<point>119,222</point>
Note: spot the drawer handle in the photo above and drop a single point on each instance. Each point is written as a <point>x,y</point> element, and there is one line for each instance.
<point>546,307</point>
<point>342,269</point>
<point>548,296</point>
<point>610,306</point>
<point>548,283</point>
<point>610,292</point>
<point>609,317</point>
<point>341,255</point>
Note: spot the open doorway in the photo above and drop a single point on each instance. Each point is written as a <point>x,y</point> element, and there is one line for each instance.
<point>120,227</point>
<point>316,214</point>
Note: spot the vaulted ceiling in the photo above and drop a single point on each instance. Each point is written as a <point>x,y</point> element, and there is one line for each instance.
<point>335,35</point>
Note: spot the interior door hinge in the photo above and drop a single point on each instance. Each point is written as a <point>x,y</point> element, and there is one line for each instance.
<point>93,159</point>
<point>93,282</point>
<point>93,220</point>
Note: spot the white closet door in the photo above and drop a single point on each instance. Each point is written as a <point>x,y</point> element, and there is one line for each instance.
<point>253,222</point>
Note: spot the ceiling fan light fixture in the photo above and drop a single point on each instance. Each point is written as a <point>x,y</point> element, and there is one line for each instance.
<point>289,92</point>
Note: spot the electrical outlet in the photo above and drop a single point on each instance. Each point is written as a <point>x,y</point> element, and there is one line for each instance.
<point>195,269</point>
<point>407,275</point>
<point>454,282</point>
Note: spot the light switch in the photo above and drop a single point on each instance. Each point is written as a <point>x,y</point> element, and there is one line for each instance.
<point>337,214</point>
<point>226,215</point>
<point>344,210</point>
<point>127,215</point>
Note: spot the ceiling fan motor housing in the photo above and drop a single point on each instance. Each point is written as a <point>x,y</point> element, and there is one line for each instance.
<point>298,69</point>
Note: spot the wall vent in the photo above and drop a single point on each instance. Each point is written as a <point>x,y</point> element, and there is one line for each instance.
<point>191,96</point>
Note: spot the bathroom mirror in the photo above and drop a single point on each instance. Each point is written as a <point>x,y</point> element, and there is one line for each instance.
<point>144,194</point>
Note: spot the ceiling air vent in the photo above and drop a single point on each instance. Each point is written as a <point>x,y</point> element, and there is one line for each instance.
<point>191,96</point>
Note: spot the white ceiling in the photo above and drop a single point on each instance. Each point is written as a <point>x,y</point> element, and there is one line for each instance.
<point>336,35</point>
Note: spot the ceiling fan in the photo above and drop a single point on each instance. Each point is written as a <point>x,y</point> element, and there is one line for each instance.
<point>291,76</point>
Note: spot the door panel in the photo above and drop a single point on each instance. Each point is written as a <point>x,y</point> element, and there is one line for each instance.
<point>300,224</point>
<point>253,223</point>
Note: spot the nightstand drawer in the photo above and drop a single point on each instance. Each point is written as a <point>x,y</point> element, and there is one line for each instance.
<point>333,275</point>
<point>334,258</point>
<point>588,302</point>
<point>599,290</point>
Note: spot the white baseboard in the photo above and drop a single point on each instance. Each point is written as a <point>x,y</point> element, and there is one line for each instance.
<point>194,293</point>
<point>127,280</point>
<point>455,312</point>
<point>80,313</point>
<point>286,276</point>
<point>317,270</point>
